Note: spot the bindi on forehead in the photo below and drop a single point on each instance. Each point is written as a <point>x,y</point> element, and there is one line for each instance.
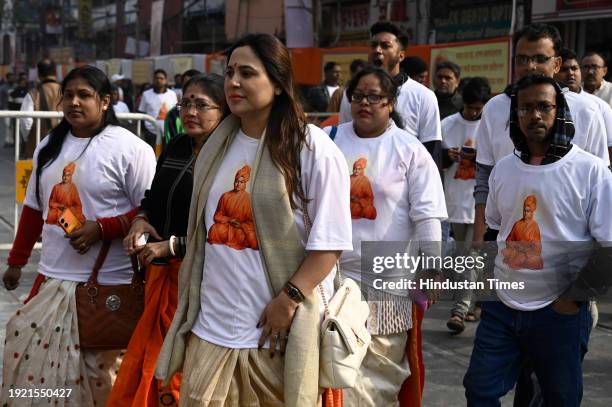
<point>196,96</point>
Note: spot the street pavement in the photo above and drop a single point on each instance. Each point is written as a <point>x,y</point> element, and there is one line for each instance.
<point>446,357</point>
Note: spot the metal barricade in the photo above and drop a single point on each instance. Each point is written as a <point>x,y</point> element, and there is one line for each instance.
<point>23,168</point>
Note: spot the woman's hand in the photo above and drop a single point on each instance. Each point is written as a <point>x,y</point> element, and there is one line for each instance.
<point>85,236</point>
<point>276,321</point>
<point>150,251</point>
<point>11,277</point>
<point>139,227</point>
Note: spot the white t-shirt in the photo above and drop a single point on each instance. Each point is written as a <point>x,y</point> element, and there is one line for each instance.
<point>418,107</point>
<point>605,92</point>
<point>331,89</point>
<point>121,107</point>
<point>157,105</point>
<point>109,178</point>
<point>606,113</point>
<point>400,185</point>
<point>493,136</point>
<point>235,288</point>
<point>573,197</point>
<point>459,178</point>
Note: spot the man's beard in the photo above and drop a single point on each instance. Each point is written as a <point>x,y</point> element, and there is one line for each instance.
<point>539,138</point>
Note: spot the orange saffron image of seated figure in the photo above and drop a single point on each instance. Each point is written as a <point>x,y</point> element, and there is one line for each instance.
<point>65,195</point>
<point>362,197</point>
<point>467,168</point>
<point>233,218</point>
<point>524,246</point>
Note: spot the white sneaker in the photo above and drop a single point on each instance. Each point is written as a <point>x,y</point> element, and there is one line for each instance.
<point>594,312</point>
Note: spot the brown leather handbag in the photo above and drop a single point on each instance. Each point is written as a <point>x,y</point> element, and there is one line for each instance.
<point>108,314</point>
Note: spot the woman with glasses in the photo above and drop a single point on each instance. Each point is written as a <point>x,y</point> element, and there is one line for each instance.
<point>396,195</point>
<point>163,216</point>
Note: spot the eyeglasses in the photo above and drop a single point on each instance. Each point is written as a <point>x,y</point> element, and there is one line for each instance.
<point>525,59</point>
<point>543,108</point>
<point>591,67</point>
<point>199,106</point>
<point>372,99</point>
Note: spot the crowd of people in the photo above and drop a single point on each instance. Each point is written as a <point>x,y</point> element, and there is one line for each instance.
<point>252,215</point>
<point>157,99</point>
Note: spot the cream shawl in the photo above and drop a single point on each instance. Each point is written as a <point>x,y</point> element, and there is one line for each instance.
<point>281,251</point>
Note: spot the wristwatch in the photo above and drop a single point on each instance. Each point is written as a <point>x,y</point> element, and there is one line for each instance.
<point>293,292</point>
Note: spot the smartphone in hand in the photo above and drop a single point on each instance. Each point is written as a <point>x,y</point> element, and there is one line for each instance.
<point>468,149</point>
<point>68,221</point>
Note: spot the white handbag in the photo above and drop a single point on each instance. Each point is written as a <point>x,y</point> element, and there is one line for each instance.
<point>344,336</point>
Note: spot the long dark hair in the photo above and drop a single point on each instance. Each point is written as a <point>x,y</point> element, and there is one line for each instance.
<point>212,85</point>
<point>101,85</point>
<point>387,85</point>
<point>286,129</point>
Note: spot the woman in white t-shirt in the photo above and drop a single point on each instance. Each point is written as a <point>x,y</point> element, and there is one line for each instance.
<point>396,195</point>
<point>97,172</point>
<point>246,329</point>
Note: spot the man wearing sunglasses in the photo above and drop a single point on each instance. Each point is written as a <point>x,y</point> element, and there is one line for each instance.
<point>594,70</point>
<point>536,49</point>
<point>416,103</point>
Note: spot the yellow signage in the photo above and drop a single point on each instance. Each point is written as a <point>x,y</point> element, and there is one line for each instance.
<point>114,66</point>
<point>142,71</point>
<point>181,64</point>
<point>489,60</point>
<point>23,170</point>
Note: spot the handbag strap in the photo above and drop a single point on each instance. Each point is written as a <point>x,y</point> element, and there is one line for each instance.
<point>93,278</point>
<point>138,274</point>
<point>137,278</point>
<point>308,227</point>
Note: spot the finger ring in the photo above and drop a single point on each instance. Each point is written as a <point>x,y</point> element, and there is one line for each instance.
<point>275,337</point>
<point>83,245</point>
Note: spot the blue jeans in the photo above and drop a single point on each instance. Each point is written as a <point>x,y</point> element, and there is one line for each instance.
<point>555,344</point>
